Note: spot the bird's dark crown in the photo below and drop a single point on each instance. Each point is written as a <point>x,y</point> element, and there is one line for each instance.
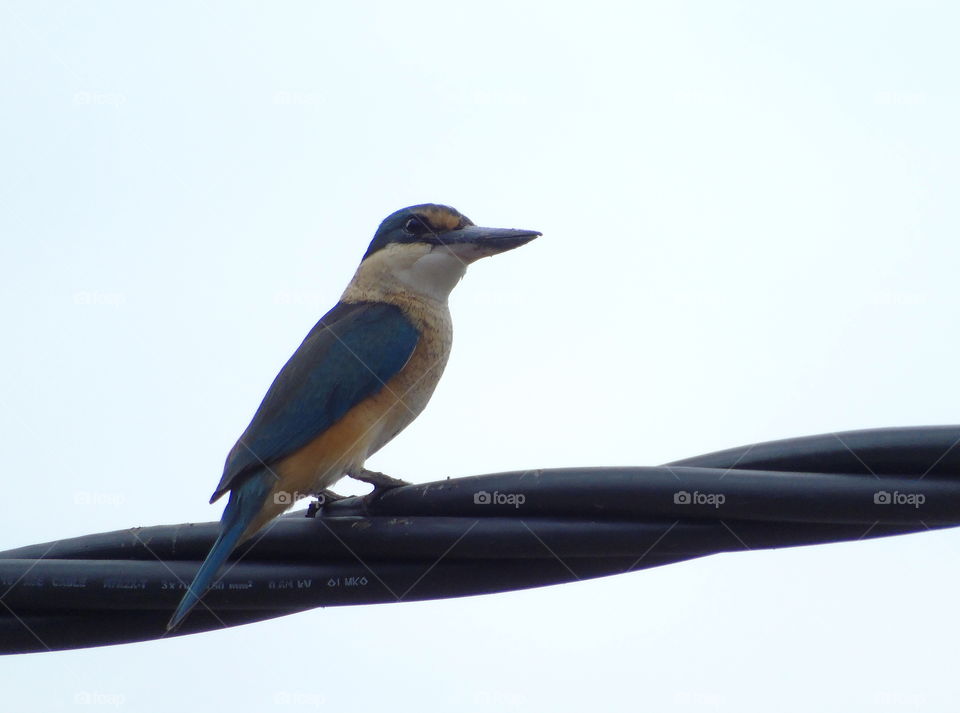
<point>425,223</point>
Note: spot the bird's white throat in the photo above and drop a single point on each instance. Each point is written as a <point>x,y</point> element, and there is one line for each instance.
<point>421,269</point>
<point>433,275</point>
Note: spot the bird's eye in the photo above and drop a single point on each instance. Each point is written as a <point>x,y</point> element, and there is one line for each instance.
<point>416,226</point>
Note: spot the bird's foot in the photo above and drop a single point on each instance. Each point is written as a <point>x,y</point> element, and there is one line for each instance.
<point>323,497</point>
<point>379,481</point>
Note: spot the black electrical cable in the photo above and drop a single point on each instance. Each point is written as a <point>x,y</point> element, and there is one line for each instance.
<point>485,534</point>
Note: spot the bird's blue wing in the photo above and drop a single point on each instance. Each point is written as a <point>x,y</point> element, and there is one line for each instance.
<point>349,355</point>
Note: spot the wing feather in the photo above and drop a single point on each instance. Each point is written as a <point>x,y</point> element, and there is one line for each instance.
<point>348,356</point>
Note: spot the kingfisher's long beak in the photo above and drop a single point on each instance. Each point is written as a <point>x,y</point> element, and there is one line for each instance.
<point>473,242</point>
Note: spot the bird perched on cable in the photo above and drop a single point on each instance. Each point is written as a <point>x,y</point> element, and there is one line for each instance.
<point>362,374</point>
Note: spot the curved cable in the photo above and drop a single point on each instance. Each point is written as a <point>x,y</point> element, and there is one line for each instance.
<point>486,534</point>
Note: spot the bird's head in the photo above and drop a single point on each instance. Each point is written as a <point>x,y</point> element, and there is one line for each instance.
<point>445,229</point>
<point>428,247</point>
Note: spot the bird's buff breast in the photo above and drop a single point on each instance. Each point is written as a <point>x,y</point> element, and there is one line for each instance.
<point>369,425</point>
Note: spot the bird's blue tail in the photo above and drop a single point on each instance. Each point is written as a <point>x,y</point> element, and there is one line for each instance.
<point>244,505</point>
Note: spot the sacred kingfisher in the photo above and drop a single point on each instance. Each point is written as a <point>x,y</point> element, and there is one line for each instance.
<point>362,374</point>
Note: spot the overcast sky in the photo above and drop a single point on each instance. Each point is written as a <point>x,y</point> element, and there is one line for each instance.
<point>750,232</point>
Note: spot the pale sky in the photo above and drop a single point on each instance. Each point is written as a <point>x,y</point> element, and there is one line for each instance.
<point>750,233</point>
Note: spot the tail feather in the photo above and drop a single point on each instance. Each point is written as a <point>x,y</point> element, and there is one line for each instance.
<point>245,503</point>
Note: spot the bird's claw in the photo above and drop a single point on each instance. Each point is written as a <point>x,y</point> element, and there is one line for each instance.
<point>379,481</point>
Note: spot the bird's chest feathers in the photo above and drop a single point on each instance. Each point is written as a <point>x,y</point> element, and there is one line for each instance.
<point>407,393</point>
<point>417,279</point>
<point>373,422</point>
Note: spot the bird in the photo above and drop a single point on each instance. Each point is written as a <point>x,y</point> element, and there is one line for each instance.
<point>363,373</point>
